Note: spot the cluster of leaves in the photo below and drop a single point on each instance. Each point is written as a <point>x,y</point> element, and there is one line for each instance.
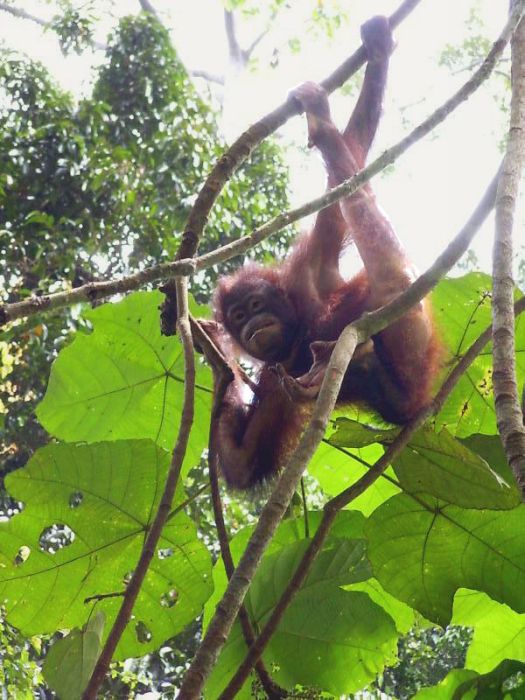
<point>73,26</point>
<point>426,654</point>
<point>469,55</point>
<point>440,535</point>
<point>104,187</point>
<point>19,671</point>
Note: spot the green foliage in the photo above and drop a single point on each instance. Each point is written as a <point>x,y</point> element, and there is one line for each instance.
<point>19,672</point>
<point>462,312</point>
<point>506,682</point>
<point>104,497</point>
<point>74,27</point>
<point>425,656</point>
<point>103,188</point>
<point>71,660</point>
<point>445,516</point>
<point>329,637</point>
<point>469,54</point>
<point>422,550</point>
<point>133,390</point>
<point>484,615</point>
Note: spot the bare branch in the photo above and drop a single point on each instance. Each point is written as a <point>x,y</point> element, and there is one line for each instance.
<point>164,508</point>
<point>206,75</point>
<point>508,410</point>
<point>255,43</point>
<point>148,7</point>
<point>46,24</point>
<point>234,49</point>
<point>22,14</point>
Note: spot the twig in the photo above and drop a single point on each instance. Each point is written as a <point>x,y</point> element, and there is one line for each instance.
<point>206,75</point>
<point>508,410</point>
<point>305,510</point>
<point>46,24</point>
<point>104,596</point>
<point>164,508</point>
<point>148,7</point>
<point>186,502</point>
<point>421,286</point>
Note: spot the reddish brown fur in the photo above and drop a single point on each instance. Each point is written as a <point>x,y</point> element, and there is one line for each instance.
<point>307,297</point>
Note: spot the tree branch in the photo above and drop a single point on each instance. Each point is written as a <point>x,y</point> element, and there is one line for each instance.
<point>417,291</point>
<point>251,48</point>
<point>164,508</point>
<point>46,24</point>
<point>508,410</point>
<point>234,49</point>
<point>148,7</point>
<point>206,75</point>
<point>22,14</point>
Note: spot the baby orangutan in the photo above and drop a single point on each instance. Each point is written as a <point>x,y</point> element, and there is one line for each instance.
<point>290,314</point>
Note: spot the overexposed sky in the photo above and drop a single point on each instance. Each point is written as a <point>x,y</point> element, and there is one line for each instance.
<point>434,186</point>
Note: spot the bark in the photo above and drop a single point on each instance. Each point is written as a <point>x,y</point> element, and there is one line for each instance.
<point>508,410</point>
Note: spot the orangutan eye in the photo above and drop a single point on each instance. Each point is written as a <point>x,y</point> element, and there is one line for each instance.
<point>238,316</point>
<point>256,305</point>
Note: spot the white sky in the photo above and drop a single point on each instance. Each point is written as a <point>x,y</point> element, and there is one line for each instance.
<point>434,186</point>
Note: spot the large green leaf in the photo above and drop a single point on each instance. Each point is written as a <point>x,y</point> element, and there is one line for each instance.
<point>438,464</point>
<point>402,614</point>
<point>451,687</point>
<point>434,463</point>
<point>423,550</point>
<point>350,433</point>
<point>462,312</point>
<point>337,468</point>
<point>107,494</point>
<point>71,660</point>
<point>487,649</point>
<point>331,638</point>
<point>347,525</point>
<point>491,449</point>
<point>464,684</point>
<point>124,381</point>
